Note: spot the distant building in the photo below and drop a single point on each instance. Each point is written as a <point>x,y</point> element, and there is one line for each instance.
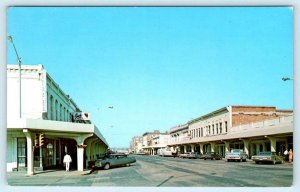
<point>50,116</point>
<point>152,141</point>
<point>136,145</point>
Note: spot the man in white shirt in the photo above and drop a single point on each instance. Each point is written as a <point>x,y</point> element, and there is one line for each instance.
<point>67,161</point>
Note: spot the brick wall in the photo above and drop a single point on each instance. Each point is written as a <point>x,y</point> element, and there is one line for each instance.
<point>249,114</point>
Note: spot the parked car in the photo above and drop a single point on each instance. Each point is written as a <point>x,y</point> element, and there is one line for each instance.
<point>114,160</point>
<point>267,156</point>
<point>193,155</point>
<point>167,152</point>
<point>236,155</point>
<point>212,156</point>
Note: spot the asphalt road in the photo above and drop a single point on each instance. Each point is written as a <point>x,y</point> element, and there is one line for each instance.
<point>155,171</point>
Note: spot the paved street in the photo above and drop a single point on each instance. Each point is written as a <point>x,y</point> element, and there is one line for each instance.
<point>155,171</point>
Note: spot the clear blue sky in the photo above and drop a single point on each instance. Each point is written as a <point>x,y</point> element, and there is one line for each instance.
<point>158,66</point>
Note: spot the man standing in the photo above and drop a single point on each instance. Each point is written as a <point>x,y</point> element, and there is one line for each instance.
<point>286,155</point>
<point>67,161</point>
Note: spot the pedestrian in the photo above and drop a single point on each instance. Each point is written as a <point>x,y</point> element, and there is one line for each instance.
<point>290,155</point>
<point>285,153</point>
<point>67,161</point>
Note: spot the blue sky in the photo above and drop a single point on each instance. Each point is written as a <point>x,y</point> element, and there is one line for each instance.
<point>158,66</point>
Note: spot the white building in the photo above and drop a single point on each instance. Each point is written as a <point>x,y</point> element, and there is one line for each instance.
<point>155,141</point>
<point>48,112</point>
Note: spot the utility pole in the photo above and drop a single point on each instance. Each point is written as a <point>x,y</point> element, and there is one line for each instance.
<point>10,39</point>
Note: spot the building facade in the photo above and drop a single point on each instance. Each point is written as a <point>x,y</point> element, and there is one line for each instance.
<point>251,128</point>
<point>46,112</point>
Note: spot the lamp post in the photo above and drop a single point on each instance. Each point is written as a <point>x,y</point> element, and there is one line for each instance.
<point>10,39</point>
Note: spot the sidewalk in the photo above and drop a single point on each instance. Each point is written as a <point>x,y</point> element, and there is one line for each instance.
<point>47,173</point>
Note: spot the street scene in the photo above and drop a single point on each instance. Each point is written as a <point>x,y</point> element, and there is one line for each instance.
<point>156,171</point>
<point>150,96</point>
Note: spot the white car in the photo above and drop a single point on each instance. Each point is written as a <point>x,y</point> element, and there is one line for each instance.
<point>236,155</point>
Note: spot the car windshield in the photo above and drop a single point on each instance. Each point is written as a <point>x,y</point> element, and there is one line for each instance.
<point>264,153</point>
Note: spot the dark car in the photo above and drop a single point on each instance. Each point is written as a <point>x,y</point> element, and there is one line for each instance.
<point>212,156</point>
<point>114,160</point>
<point>267,156</point>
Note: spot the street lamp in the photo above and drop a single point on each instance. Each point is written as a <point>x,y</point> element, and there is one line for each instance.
<point>287,79</point>
<point>10,39</point>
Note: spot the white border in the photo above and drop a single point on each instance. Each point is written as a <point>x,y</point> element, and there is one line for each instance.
<point>3,18</point>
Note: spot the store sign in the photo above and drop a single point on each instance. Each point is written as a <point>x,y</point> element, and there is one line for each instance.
<point>81,116</point>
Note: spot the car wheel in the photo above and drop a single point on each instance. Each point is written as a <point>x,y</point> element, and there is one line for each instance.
<point>274,162</point>
<point>106,166</point>
<point>256,162</point>
<point>127,165</point>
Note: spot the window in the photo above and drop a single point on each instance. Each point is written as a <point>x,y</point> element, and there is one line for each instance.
<point>217,129</point>
<point>21,150</point>
<point>56,110</point>
<point>65,117</point>
<point>213,129</point>
<point>201,132</point>
<point>61,112</point>
<point>220,127</point>
<point>51,107</point>
<point>226,126</point>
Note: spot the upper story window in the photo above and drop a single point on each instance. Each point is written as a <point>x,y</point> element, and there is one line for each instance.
<point>51,107</point>
<point>56,110</point>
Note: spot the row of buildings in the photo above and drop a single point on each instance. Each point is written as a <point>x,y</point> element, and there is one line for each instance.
<point>251,128</point>
<point>44,123</point>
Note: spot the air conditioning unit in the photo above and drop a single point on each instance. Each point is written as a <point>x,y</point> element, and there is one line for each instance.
<point>78,116</point>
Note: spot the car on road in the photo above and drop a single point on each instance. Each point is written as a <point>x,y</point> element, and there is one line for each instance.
<point>212,156</point>
<point>267,156</point>
<point>236,155</point>
<point>114,160</point>
<point>190,155</point>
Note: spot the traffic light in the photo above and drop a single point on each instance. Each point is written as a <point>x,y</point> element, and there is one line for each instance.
<point>41,139</point>
<point>36,141</point>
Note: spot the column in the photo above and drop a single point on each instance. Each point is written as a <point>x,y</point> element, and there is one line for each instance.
<point>257,148</point>
<point>80,150</point>
<point>54,152</point>
<point>184,149</point>
<point>212,147</point>
<point>227,146</point>
<point>192,148</point>
<point>30,148</point>
<point>252,150</point>
<point>201,148</point>
<point>80,158</point>
<point>246,146</point>
<point>273,143</point>
<point>264,147</point>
